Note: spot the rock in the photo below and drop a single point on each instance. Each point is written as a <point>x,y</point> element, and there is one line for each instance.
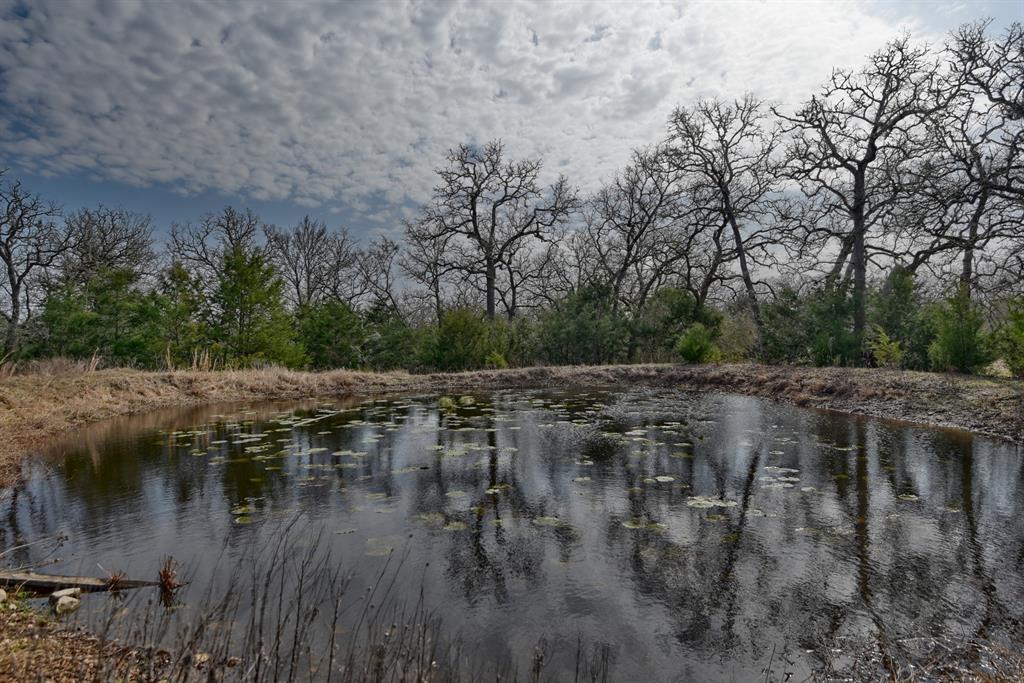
<point>55,596</point>
<point>66,605</point>
<point>3,596</point>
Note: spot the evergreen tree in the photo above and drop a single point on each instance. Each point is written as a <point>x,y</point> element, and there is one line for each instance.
<point>249,323</point>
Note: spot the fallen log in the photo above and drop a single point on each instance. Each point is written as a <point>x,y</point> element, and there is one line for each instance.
<point>47,583</point>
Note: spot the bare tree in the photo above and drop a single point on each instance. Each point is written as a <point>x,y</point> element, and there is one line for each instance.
<point>956,207</point>
<point>524,276</point>
<point>728,156</point>
<point>425,260</point>
<point>850,143</point>
<point>314,263</point>
<point>202,246</point>
<point>636,228</point>
<point>492,208</point>
<point>30,240</point>
<point>963,204</point>
<point>106,239</point>
<point>377,268</point>
<point>992,66</point>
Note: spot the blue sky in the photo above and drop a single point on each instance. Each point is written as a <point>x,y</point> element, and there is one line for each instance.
<point>343,110</point>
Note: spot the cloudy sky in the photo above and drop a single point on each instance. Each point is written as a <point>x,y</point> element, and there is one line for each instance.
<point>343,110</point>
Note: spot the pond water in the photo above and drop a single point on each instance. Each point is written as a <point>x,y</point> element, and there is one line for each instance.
<point>650,533</point>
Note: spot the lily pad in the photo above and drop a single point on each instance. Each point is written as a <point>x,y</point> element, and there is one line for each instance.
<point>640,523</point>
<point>382,545</point>
<point>708,502</point>
<point>431,519</point>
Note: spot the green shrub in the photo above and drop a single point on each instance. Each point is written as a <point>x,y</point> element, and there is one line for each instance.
<point>496,360</point>
<point>898,308</point>
<point>815,328</point>
<point>1010,339</point>
<point>960,344</point>
<point>390,342</point>
<point>885,350</point>
<point>737,337</point>
<point>332,334</point>
<point>462,341</point>
<point>583,329</point>
<point>831,319</point>
<point>109,315</point>
<point>250,326</point>
<point>656,326</point>
<point>697,345</point>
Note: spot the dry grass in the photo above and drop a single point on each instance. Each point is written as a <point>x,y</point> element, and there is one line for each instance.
<point>38,403</point>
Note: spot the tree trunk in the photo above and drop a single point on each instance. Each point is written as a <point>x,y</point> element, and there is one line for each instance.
<point>748,281</point>
<point>11,338</point>
<point>967,270</point>
<point>859,262</point>
<point>491,284</point>
<point>438,311</point>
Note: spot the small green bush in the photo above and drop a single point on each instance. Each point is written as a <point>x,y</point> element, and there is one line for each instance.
<point>737,337</point>
<point>496,360</point>
<point>332,334</point>
<point>885,350</point>
<point>584,328</point>
<point>654,328</point>
<point>810,328</point>
<point>697,345</point>
<point>1010,338</point>
<point>960,344</point>
<point>899,308</point>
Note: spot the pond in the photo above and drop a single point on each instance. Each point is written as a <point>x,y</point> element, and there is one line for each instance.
<point>579,533</point>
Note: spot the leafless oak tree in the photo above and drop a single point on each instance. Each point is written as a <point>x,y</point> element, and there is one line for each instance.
<point>202,246</point>
<point>849,144</point>
<point>30,240</point>
<point>492,208</point>
<point>636,228</point>
<point>106,239</point>
<point>728,155</point>
<point>377,267</point>
<point>314,262</point>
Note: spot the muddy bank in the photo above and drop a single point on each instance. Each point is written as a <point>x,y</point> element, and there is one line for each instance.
<point>35,408</point>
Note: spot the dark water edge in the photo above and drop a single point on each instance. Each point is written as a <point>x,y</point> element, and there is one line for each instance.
<point>654,533</point>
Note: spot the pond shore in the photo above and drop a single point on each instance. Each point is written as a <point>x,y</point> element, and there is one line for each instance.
<point>35,408</point>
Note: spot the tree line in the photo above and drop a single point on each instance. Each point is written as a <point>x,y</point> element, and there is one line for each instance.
<point>881,222</point>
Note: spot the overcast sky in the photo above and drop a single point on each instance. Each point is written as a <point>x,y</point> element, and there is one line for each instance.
<point>343,110</point>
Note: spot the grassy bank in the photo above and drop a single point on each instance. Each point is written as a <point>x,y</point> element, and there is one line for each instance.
<point>36,406</point>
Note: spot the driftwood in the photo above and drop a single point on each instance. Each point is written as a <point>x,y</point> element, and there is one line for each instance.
<point>46,583</point>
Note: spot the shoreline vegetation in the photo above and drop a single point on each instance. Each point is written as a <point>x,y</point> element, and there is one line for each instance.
<point>40,405</point>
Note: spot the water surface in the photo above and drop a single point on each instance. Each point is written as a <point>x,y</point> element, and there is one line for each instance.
<point>678,536</point>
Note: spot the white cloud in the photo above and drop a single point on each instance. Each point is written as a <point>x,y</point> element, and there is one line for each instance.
<point>335,104</point>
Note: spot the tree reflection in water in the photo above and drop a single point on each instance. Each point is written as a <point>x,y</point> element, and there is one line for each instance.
<point>680,535</point>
